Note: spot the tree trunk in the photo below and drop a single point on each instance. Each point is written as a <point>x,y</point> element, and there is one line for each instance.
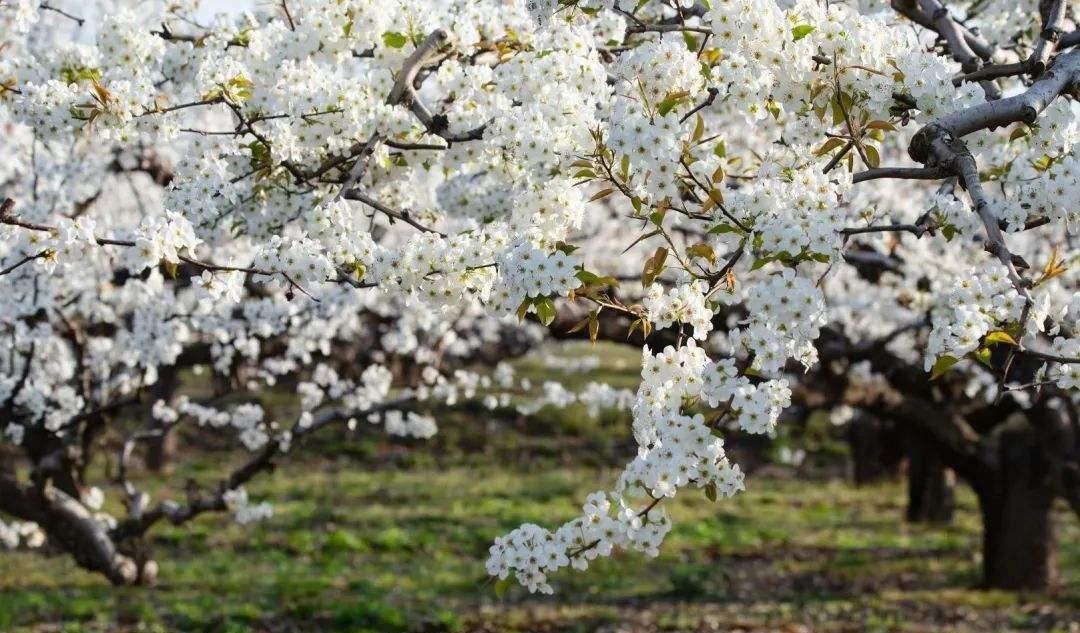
<point>869,438</point>
<point>1018,540</point>
<point>930,484</point>
<point>160,450</point>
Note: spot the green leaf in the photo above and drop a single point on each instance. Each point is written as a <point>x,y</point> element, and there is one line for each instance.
<point>586,277</point>
<point>702,250</point>
<point>545,309</point>
<point>943,364</point>
<point>564,247</point>
<point>881,125</point>
<point>654,266</point>
<point>773,108</point>
<point>725,228</point>
<point>691,41</point>
<point>761,261</point>
<point>983,356</point>
<point>841,102</point>
<point>75,74</point>
<point>580,325</point>
<point>1043,163</point>
<point>523,309</point>
<point>873,159</point>
<point>393,39</point>
<point>1019,132</point>
<point>670,102</point>
<point>589,278</point>
<point>603,193</point>
<point>801,31</point>
<point>829,146</point>
<point>710,491</point>
<point>1001,336</point>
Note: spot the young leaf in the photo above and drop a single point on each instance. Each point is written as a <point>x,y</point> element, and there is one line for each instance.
<point>564,247</point>
<point>829,146</point>
<point>710,491</point>
<point>654,266</point>
<point>881,125</point>
<point>702,250</point>
<point>580,325</point>
<point>943,364</point>
<point>873,159</point>
<point>600,195</point>
<point>724,228</point>
<point>545,309</point>
<point>1019,132</point>
<point>1000,336</point>
<point>801,31</point>
<point>393,39</point>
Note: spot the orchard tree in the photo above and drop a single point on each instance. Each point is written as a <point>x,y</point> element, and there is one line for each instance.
<point>869,202</point>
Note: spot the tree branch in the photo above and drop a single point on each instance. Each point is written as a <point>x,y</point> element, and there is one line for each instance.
<point>261,461</point>
<point>1025,107</point>
<point>906,173</point>
<point>356,194</point>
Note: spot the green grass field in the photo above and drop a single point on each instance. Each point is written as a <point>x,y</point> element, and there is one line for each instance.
<point>385,537</point>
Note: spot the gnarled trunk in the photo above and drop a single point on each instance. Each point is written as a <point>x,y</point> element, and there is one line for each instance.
<point>930,483</point>
<point>872,441</point>
<point>1018,539</point>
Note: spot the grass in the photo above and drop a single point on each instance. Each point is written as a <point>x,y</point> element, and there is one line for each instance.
<point>396,541</point>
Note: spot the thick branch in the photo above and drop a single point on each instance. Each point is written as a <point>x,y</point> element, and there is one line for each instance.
<point>70,525</point>
<point>906,173</point>
<point>1025,107</point>
<point>908,8</point>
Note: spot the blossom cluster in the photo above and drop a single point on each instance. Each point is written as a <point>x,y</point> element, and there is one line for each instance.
<point>675,450</point>
<point>683,303</point>
<point>246,419</point>
<point>786,312</point>
<point>1067,376</point>
<point>526,272</point>
<point>245,512</point>
<point>969,310</point>
<point>25,533</point>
